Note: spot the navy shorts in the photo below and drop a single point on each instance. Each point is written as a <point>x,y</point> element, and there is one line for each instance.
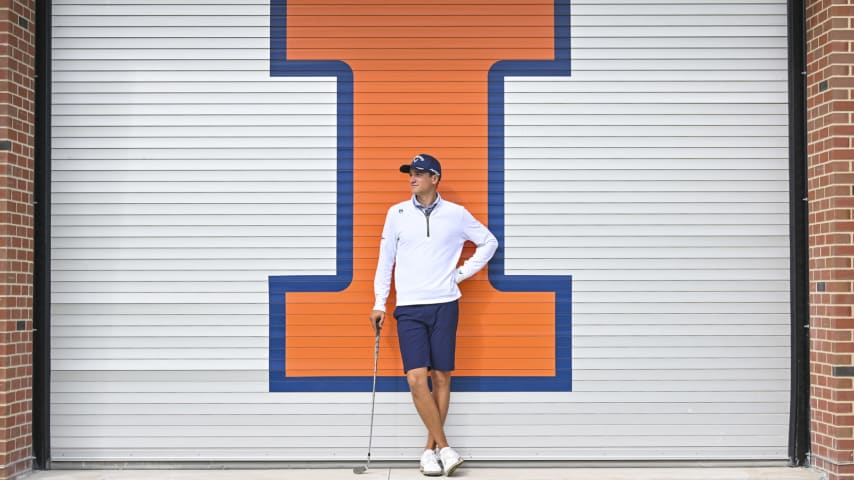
<point>428,335</point>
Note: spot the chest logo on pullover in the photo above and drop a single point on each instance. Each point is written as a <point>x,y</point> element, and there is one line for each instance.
<point>413,76</point>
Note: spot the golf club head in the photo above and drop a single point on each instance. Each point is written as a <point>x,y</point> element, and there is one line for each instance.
<point>360,469</point>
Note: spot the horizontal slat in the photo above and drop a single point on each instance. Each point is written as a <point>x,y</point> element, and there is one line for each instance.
<point>276,97</point>
<point>557,87</point>
<point>568,265</point>
<point>585,318</point>
<point>159,309</point>
<point>645,230</point>
<point>335,443</point>
<point>107,352</point>
<point>258,8</point>
<point>327,232</point>
<point>325,109</point>
<point>520,419</point>
<point>617,309</point>
<point>319,233</point>
<point>191,119</point>
<point>357,454</point>
<point>166,364</point>
<point>581,309</point>
<point>118,84</point>
<point>406,50</point>
<point>511,209</point>
<point>82,381</point>
<point>684,363</point>
<point>255,364</point>
<point>591,343</point>
<point>516,242</point>
<point>322,173</point>
<point>773,156</point>
<point>209,219</point>
<point>161,132</point>
<point>693,375</point>
<point>580,397</point>
<point>261,65</point>
<point>119,341</point>
<point>236,434</point>
<point>627,140</point>
<point>722,196</point>
<point>212,296</point>
<point>178,330</point>
<point>738,41</point>
<point>598,28</point>
<point>157,353</point>
<point>272,265</point>
<point>620,385</point>
<point>394,404</point>
<point>196,197</point>
<point>165,297</point>
<point>132,86</point>
<point>570,219</point>
<point>614,276</point>
<point>106,314</point>
<point>249,219</point>
<point>168,285</point>
<point>176,177</point>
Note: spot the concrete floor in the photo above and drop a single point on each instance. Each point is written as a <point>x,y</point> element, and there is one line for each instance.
<point>471,473</point>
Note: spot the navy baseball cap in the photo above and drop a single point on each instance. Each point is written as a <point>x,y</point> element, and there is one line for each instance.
<point>425,163</point>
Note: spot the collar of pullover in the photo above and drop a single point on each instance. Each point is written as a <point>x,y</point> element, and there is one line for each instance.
<point>426,209</point>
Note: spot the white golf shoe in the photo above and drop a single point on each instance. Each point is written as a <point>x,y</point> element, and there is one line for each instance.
<point>450,459</point>
<point>430,464</point>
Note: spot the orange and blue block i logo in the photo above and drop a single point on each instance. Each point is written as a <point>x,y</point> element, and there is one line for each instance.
<point>418,76</point>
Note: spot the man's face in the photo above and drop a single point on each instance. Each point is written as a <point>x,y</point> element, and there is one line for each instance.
<point>421,182</point>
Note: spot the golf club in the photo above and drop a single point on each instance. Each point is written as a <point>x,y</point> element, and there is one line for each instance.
<point>364,468</point>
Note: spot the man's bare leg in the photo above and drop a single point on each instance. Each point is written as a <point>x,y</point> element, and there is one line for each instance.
<point>426,405</point>
<point>442,397</point>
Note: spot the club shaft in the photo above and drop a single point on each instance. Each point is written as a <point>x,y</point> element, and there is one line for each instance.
<point>373,395</point>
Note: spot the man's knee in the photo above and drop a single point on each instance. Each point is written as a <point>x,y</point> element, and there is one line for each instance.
<point>417,379</point>
<point>441,380</point>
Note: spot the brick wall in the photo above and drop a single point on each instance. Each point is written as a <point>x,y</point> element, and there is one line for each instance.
<point>17,97</point>
<point>830,111</point>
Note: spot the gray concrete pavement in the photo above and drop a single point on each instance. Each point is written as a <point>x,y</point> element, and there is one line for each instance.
<point>470,473</point>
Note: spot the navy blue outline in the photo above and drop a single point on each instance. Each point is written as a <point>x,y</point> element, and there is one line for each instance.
<point>280,285</point>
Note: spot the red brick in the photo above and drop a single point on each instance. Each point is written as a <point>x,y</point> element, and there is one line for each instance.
<point>16,230</point>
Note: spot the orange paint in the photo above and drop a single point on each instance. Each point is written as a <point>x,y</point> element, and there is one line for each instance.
<point>420,71</point>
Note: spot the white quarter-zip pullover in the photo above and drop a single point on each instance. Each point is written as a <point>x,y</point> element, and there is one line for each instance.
<point>412,235</point>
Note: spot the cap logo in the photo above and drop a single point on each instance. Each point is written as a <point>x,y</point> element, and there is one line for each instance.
<point>419,158</point>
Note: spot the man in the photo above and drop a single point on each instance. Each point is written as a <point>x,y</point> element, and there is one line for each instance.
<point>422,241</point>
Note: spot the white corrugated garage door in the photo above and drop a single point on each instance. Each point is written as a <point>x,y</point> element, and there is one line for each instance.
<point>184,175</point>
